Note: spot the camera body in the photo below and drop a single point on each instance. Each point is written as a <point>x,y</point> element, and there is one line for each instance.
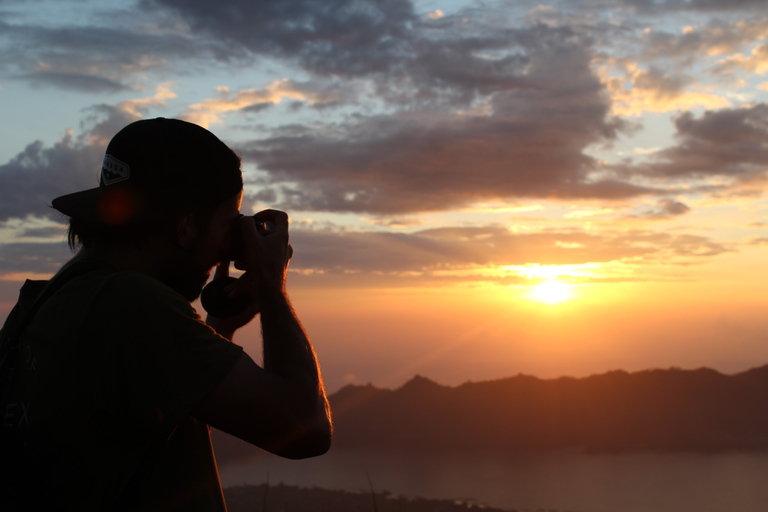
<point>213,297</point>
<point>264,227</point>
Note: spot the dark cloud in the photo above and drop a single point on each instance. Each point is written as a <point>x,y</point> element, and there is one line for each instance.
<point>672,208</point>
<point>435,250</point>
<point>357,256</point>
<point>707,6</point>
<point>411,59</point>
<point>475,108</point>
<point>664,209</point>
<point>50,232</point>
<point>73,82</point>
<point>525,142</point>
<point>350,37</point>
<point>727,142</point>
<point>661,84</point>
<point>33,258</point>
<point>31,179</point>
<point>95,58</point>
<point>257,107</point>
<point>716,36</point>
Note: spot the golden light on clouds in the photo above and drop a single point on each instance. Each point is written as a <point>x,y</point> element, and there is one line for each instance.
<point>488,207</point>
<point>635,91</point>
<point>137,106</point>
<point>210,110</point>
<point>755,62</point>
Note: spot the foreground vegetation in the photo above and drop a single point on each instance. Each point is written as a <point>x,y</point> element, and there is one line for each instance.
<point>288,498</point>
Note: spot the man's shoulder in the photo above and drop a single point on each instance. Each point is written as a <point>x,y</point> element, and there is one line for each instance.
<point>120,298</point>
<point>129,285</point>
<point>139,285</point>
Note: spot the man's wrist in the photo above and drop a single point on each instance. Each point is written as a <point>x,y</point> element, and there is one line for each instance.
<point>269,292</point>
<point>216,324</point>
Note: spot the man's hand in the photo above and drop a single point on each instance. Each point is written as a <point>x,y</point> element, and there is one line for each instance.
<point>265,255</point>
<point>265,261</point>
<point>281,407</point>
<point>227,326</point>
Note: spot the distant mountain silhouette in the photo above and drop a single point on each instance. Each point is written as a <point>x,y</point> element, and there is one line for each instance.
<point>651,410</point>
<point>699,410</point>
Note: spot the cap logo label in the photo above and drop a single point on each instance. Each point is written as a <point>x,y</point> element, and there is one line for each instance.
<point>113,170</point>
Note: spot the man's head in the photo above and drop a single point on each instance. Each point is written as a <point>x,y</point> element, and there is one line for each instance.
<point>160,177</point>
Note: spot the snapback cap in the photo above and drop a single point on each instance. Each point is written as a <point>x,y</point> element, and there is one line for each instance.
<point>154,167</point>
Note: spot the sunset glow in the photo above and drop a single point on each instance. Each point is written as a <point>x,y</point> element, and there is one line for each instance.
<point>476,189</point>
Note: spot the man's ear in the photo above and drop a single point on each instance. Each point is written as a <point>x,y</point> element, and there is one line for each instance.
<point>185,232</point>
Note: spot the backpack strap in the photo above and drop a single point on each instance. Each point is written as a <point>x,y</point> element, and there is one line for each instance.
<point>10,341</point>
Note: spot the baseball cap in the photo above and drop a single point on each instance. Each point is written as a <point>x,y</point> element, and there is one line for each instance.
<point>153,167</point>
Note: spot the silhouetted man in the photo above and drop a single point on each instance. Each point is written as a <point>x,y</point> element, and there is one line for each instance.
<point>111,379</point>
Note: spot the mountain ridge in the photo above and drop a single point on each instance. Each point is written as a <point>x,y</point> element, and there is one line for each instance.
<point>656,409</point>
<point>650,410</point>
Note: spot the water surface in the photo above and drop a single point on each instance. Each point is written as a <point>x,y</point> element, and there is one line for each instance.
<point>575,482</point>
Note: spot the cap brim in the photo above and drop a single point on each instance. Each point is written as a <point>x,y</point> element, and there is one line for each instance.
<point>80,205</point>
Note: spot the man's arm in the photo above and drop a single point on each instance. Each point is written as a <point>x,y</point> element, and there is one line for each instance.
<point>281,407</point>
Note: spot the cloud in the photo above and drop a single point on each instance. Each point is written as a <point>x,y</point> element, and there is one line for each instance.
<point>529,141</point>
<point>209,111</point>
<point>760,241</point>
<point>31,179</point>
<point>756,62</point>
<point>391,165</point>
<point>407,58</point>
<point>23,260</point>
<point>731,143</point>
<point>639,91</point>
<point>323,36</point>
<point>664,209</point>
<point>491,253</point>
<point>672,208</point>
<point>96,56</point>
<point>395,222</point>
<point>72,81</point>
<point>140,106</point>
<point>705,6</point>
<point>717,37</point>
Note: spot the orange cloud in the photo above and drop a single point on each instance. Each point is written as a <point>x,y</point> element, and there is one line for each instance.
<point>139,106</point>
<point>713,39</point>
<point>637,91</point>
<point>209,111</point>
<point>755,62</point>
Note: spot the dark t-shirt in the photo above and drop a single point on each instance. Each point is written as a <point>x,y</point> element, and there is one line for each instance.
<point>109,370</point>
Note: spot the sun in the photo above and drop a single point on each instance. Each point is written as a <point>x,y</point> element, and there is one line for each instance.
<point>552,291</point>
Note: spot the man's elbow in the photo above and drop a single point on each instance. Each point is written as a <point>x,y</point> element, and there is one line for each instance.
<point>308,440</point>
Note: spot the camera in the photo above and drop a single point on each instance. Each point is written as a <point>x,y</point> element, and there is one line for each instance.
<point>213,297</point>
<point>264,227</point>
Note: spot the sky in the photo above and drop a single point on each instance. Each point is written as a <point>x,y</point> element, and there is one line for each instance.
<point>476,189</point>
